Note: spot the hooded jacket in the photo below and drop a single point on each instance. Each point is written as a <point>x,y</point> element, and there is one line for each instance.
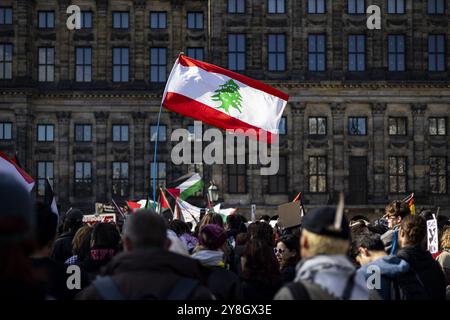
<point>428,270</point>
<point>150,274</point>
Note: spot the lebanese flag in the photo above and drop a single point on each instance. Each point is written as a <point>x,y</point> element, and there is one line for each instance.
<point>224,99</point>
<point>10,167</point>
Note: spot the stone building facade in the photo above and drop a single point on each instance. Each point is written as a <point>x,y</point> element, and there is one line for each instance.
<point>368,115</point>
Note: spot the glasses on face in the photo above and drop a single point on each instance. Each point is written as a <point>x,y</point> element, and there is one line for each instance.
<point>390,217</point>
<point>277,250</point>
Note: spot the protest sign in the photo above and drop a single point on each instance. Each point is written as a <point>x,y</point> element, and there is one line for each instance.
<point>92,219</point>
<point>432,236</point>
<point>289,214</point>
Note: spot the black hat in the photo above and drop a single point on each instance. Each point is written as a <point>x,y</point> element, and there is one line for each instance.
<point>321,221</point>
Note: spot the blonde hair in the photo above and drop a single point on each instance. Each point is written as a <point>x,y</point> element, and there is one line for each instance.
<point>318,244</point>
<point>79,237</point>
<point>445,240</point>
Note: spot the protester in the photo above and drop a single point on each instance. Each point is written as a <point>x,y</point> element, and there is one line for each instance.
<point>223,284</point>
<point>325,272</point>
<point>53,273</point>
<point>146,269</point>
<point>397,280</point>
<point>411,234</point>
<point>444,257</point>
<point>395,211</point>
<point>62,249</point>
<point>17,227</point>
<point>288,255</point>
<point>182,231</point>
<point>260,271</point>
<point>81,245</point>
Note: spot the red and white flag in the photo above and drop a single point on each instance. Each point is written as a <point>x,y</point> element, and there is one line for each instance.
<point>8,166</point>
<point>224,99</point>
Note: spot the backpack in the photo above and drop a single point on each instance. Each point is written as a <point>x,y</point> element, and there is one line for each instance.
<point>108,290</point>
<point>408,286</point>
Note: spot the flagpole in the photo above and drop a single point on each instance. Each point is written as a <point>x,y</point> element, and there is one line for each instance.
<point>162,190</point>
<point>154,156</point>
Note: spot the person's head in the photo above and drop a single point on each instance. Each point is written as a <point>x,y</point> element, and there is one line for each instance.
<point>259,262</point>
<point>263,231</point>
<point>265,218</point>
<point>145,230</point>
<point>211,218</point>
<point>17,228</point>
<point>212,237</point>
<point>412,231</point>
<point>395,212</point>
<point>233,222</point>
<point>369,247</point>
<point>73,220</point>
<point>319,236</point>
<point>287,250</point>
<point>179,227</point>
<point>81,242</point>
<point>105,236</point>
<point>46,225</point>
<point>445,240</point>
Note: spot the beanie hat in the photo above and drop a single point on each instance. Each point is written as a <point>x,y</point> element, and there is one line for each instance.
<point>212,236</point>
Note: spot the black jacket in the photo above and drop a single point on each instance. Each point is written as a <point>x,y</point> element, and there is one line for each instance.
<point>427,269</point>
<point>62,248</point>
<point>224,284</point>
<point>150,274</point>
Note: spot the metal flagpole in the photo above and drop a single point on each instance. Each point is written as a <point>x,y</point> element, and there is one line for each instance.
<point>154,157</point>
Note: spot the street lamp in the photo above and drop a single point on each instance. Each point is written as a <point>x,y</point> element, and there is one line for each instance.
<point>213,194</point>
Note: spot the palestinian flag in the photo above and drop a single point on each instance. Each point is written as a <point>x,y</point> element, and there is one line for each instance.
<point>186,189</point>
<point>8,166</point>
<point>224,99</point>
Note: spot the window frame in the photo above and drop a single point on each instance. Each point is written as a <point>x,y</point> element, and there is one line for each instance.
<point>195,14</point>
<point>236,6</point>
<point>437,175</point>
<point>435,7</point>
<point>317,118</point>
<point>3,125</point>
<point>158,178</point>
<point>239,172</point>
<point>279,179</point>
<point>83,126</point>
<point>83,15</point>
<point>436,53</point>
<point>398,121</point>
<point>40,181</point>
<point>3,15</point>
<point>159,66</point>
<point>277,8</point>
<point>123,182</point>
<point>396,9</point>
<point>437,126</point>
<point>316,53</point>
<point>317,174</point>
<point>397,174</point>
<point>47,13</point>
<point>310,10</point>
<point>277,53</point>
<point>396,52</point>
<point>357,6</point>
<point>159,136</point>
<point>359,118</point>
<point>46,65</point>
<point>357,53</point>
<point>196,50</point>
<point>121,138</point>
<point>83,186</point>
<point>121,14</point>
<point>47,126</point>
<point>121,65</point>
<point>158,15</point>
<point>84,66</point>
<point>4,46</point>
<point>236,54</point>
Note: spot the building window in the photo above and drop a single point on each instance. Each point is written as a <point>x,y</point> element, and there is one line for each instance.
<point>357,126</point>
<point>317,174</point>
<point>120,132</point>
<point>277,52</point>
<point>236,52</point>
<point>316,6</point>
<point>195,20</point>
<point>396,6</point>
<point>46,19</point>
<point>46,64</point>
<point>316,52</point>
<point>436,52</point>
<point>438,175</point>
<point>397,174</point>
<point>44,171</point>
<point>438,126</point>
<point>282,128</point>
<point>158,64</point>
<point>317,126</point>
<point>356,7</point>
<point>160,174</point>
<point>276,6</point>
<point>158,20</point>
<point>120,20</point>
<point>396,53</point>
<point>121,64</point>
<point>436,6</point>
<point>195,53</point>
<point>120,179</point>
<point>83,133</point>
<point>6,15</point>
<point>195,132</point>
<point>356,52</point>
<point>6,51</point>
<point>397,126</point>
<point>5,130</point>
<point>278,182</point>
<point>45,132</point>
<point>86,19</point>
<point>237,178</point>
<point>161,130</point>
<point>83,67</point>
<point>83,178</point>
<point>236,6</point>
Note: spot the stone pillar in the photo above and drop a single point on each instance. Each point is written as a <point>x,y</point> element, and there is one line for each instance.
<point>102,56</point>
<point>338,158</point>
<point>64,46</point>
<point>140,15</point>
<point>299,173</point>
<point>101,127</point>
<point>61,167</point>
<point>24,137</point>
<point>23,49</point>
<point>419,163</point>
<point>378,116</point>
<point>137,166</point>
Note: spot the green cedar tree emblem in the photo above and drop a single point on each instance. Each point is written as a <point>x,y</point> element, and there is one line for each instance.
<point>229,95</point>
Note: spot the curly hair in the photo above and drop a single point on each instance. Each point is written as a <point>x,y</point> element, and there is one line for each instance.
<point>398,208</point>
<point>415,229</point>
<point>445,240</point>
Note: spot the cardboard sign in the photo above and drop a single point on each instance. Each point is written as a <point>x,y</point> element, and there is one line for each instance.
<point>92,219</point>
<point>289,214</point>
<point>432,236</point>
<point>104,208</point>
<point>253,212</point>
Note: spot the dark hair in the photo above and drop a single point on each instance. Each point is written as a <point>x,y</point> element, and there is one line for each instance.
<point>398,208</point>
<point>73,220</point>
<point>370,241</point>
<point>263,231</point>
<point>234,222</point>
<point>241,238</point>
<point>292,242</point>
<point>415,228</point>
<point>260,262</point>
<point>46,224</point>
<point>212,218</point>
<point>265,218</point>
<point>146,229</point>
<point>105,235</point>
<point>178,226</point>
<point>359,217</point>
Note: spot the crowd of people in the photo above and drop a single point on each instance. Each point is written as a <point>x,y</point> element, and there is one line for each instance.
<point>154,257</point>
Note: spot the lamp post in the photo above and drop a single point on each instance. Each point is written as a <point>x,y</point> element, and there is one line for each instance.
<point>213,194</point>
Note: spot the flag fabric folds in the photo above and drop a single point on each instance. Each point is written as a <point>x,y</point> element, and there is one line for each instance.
<point>8,166</point>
